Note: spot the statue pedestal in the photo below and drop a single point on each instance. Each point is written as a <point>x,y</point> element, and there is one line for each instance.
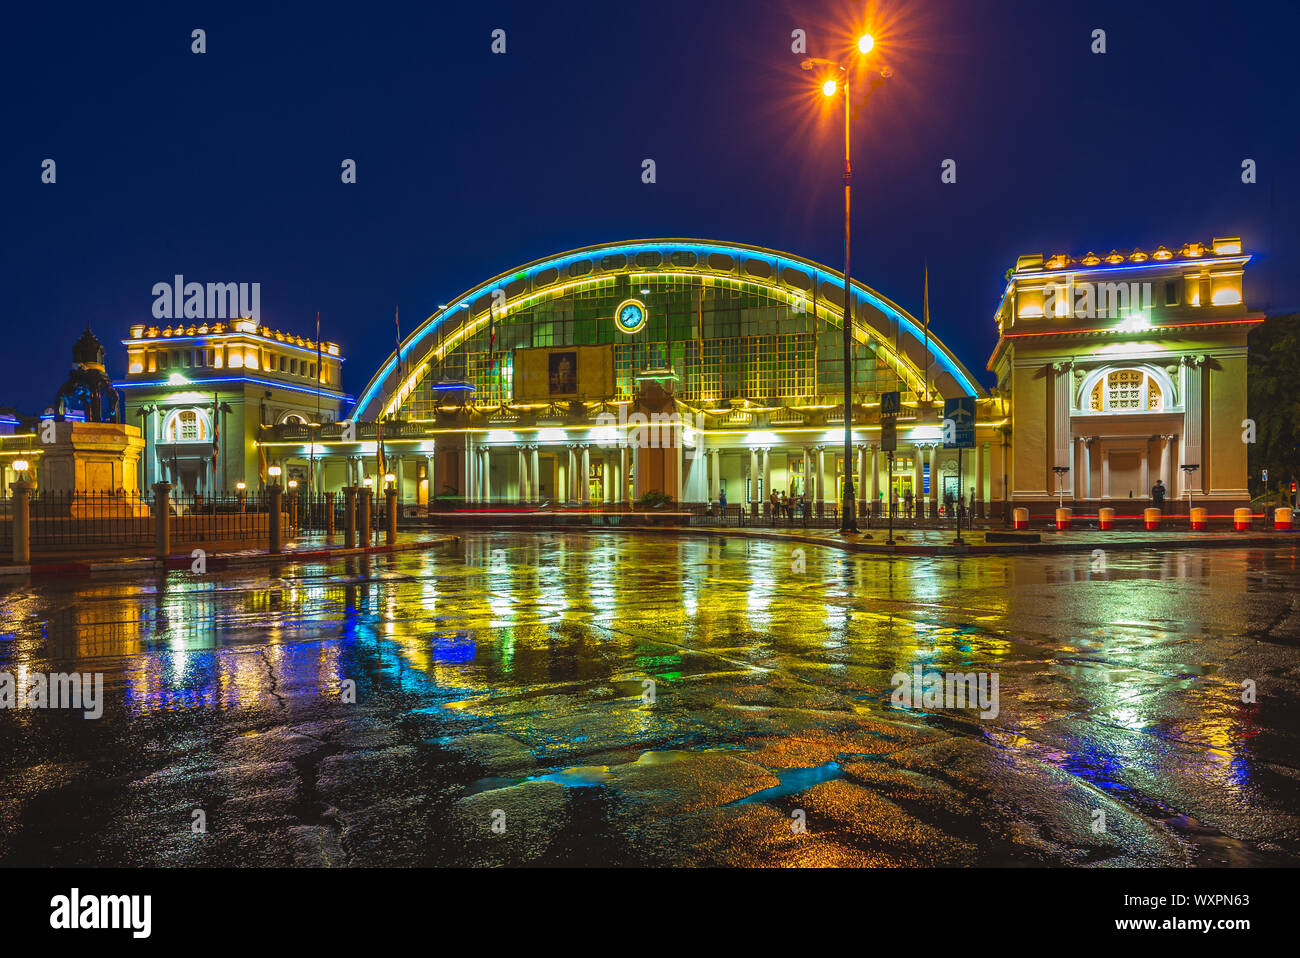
<point>95,460</point>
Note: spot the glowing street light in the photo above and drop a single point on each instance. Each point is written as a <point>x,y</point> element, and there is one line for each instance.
<point>274,472</point>
<point>830,86</point>
<point>21,466</point>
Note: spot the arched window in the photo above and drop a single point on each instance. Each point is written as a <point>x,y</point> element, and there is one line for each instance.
<point>294,419</point>
<point>186,426</point>
<point>1126,391</point>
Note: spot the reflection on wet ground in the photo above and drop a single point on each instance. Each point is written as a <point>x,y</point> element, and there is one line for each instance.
<point>608,699</point>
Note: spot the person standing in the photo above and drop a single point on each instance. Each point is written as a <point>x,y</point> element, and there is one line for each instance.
<point>1158,494</point>
<point>722,501</point>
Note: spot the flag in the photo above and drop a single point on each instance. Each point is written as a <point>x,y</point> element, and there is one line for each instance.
<point>379,453</point>
<point>216,434</point>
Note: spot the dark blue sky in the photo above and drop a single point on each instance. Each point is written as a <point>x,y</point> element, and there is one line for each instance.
<point>225,166</point>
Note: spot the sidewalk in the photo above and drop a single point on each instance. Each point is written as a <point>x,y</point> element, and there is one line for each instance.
<point>305,549</point>
<point>939,542</point>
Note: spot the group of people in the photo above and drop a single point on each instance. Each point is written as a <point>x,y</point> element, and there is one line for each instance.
<point>782,505</point>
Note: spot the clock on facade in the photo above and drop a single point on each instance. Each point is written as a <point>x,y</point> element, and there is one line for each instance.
<point>630,315</point>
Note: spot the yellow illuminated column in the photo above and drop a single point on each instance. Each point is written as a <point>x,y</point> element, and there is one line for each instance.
<point>821,479</point>
<point>585,477</point>
<point>934,479</point>
<point>875,476</point>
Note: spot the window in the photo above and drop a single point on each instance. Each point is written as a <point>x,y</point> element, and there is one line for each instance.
<point>1126,391</point>
<point>1171,293</point>
<point>186,426</point>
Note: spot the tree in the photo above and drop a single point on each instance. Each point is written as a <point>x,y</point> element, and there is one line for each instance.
<point>1273,399</point>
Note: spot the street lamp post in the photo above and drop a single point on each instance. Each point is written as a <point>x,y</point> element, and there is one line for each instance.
<point>848,506</point>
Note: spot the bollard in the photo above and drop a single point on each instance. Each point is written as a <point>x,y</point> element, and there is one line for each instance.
<point>1106,519</point>
<point>1151,519</point>
<point>21,507</point>
<point>390,503</point>
<point>1282,519</point>
<point>363,517</point>
<point>1020,519</point>
<point>162,542</point>
<point>1198,519</point>
<point>274,525</point>
<point>329,514</point>
<point>349,517</point>
<point>1063,519</point>
<point>1241,519</point>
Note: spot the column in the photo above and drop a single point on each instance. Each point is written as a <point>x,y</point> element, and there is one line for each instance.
<point>752,493</point>
<point>821,480</point>
<point>679,463</point>
<point>535,484</point>
<point>522,492</point>
<point>637,483</point>
<point>1061,376</point>
<point>918,479</point>
<point>863,503</point>
<point>875,478</point>
<point>486,466</point>
<point>977,506</point>
<point>934,479</point>
<point>430,490</point>
<point>585,476</point>
<point>1082,468</point>
<point>807,473</point>
<point>1166,460</point>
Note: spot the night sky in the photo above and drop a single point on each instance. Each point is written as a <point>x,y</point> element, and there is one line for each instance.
<point>225,166</point>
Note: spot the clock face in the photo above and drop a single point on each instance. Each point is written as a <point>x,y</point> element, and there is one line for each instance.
<point>630,315</point>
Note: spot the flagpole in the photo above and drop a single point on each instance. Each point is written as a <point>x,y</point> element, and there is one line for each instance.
<point>316,484</point>
<point>927,329</point>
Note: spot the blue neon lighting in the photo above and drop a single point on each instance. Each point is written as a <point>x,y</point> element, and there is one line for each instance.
<point>196,385</point>
<point>782,261</point>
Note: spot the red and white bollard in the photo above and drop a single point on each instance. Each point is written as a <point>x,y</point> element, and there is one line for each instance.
<point>1106,519</point>
<point>1063,519</point>
<point>1282,519</point>
<point>1199,519</point>
<point>1151,519</point>
<point>1241,519</point>
<point>1020,519</point>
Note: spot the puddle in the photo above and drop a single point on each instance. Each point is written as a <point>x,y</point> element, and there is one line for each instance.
<point>793,781</point>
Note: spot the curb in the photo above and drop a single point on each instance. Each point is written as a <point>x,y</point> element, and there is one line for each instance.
<point>215,560</point>
<point>876,547</point>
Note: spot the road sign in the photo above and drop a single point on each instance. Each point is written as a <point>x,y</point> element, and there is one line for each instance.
<point>890,406</point>
<point>1263,475</point>
<point>960,412</point>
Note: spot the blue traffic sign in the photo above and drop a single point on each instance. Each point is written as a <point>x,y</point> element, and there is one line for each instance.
<point>959,423</point>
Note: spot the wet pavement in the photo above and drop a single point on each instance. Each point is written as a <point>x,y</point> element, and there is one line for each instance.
<point>608,698</point>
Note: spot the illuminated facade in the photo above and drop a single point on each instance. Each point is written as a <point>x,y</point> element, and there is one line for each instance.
<point>200,393</point>
<point>1127,368</point>
<point>537,386</point>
